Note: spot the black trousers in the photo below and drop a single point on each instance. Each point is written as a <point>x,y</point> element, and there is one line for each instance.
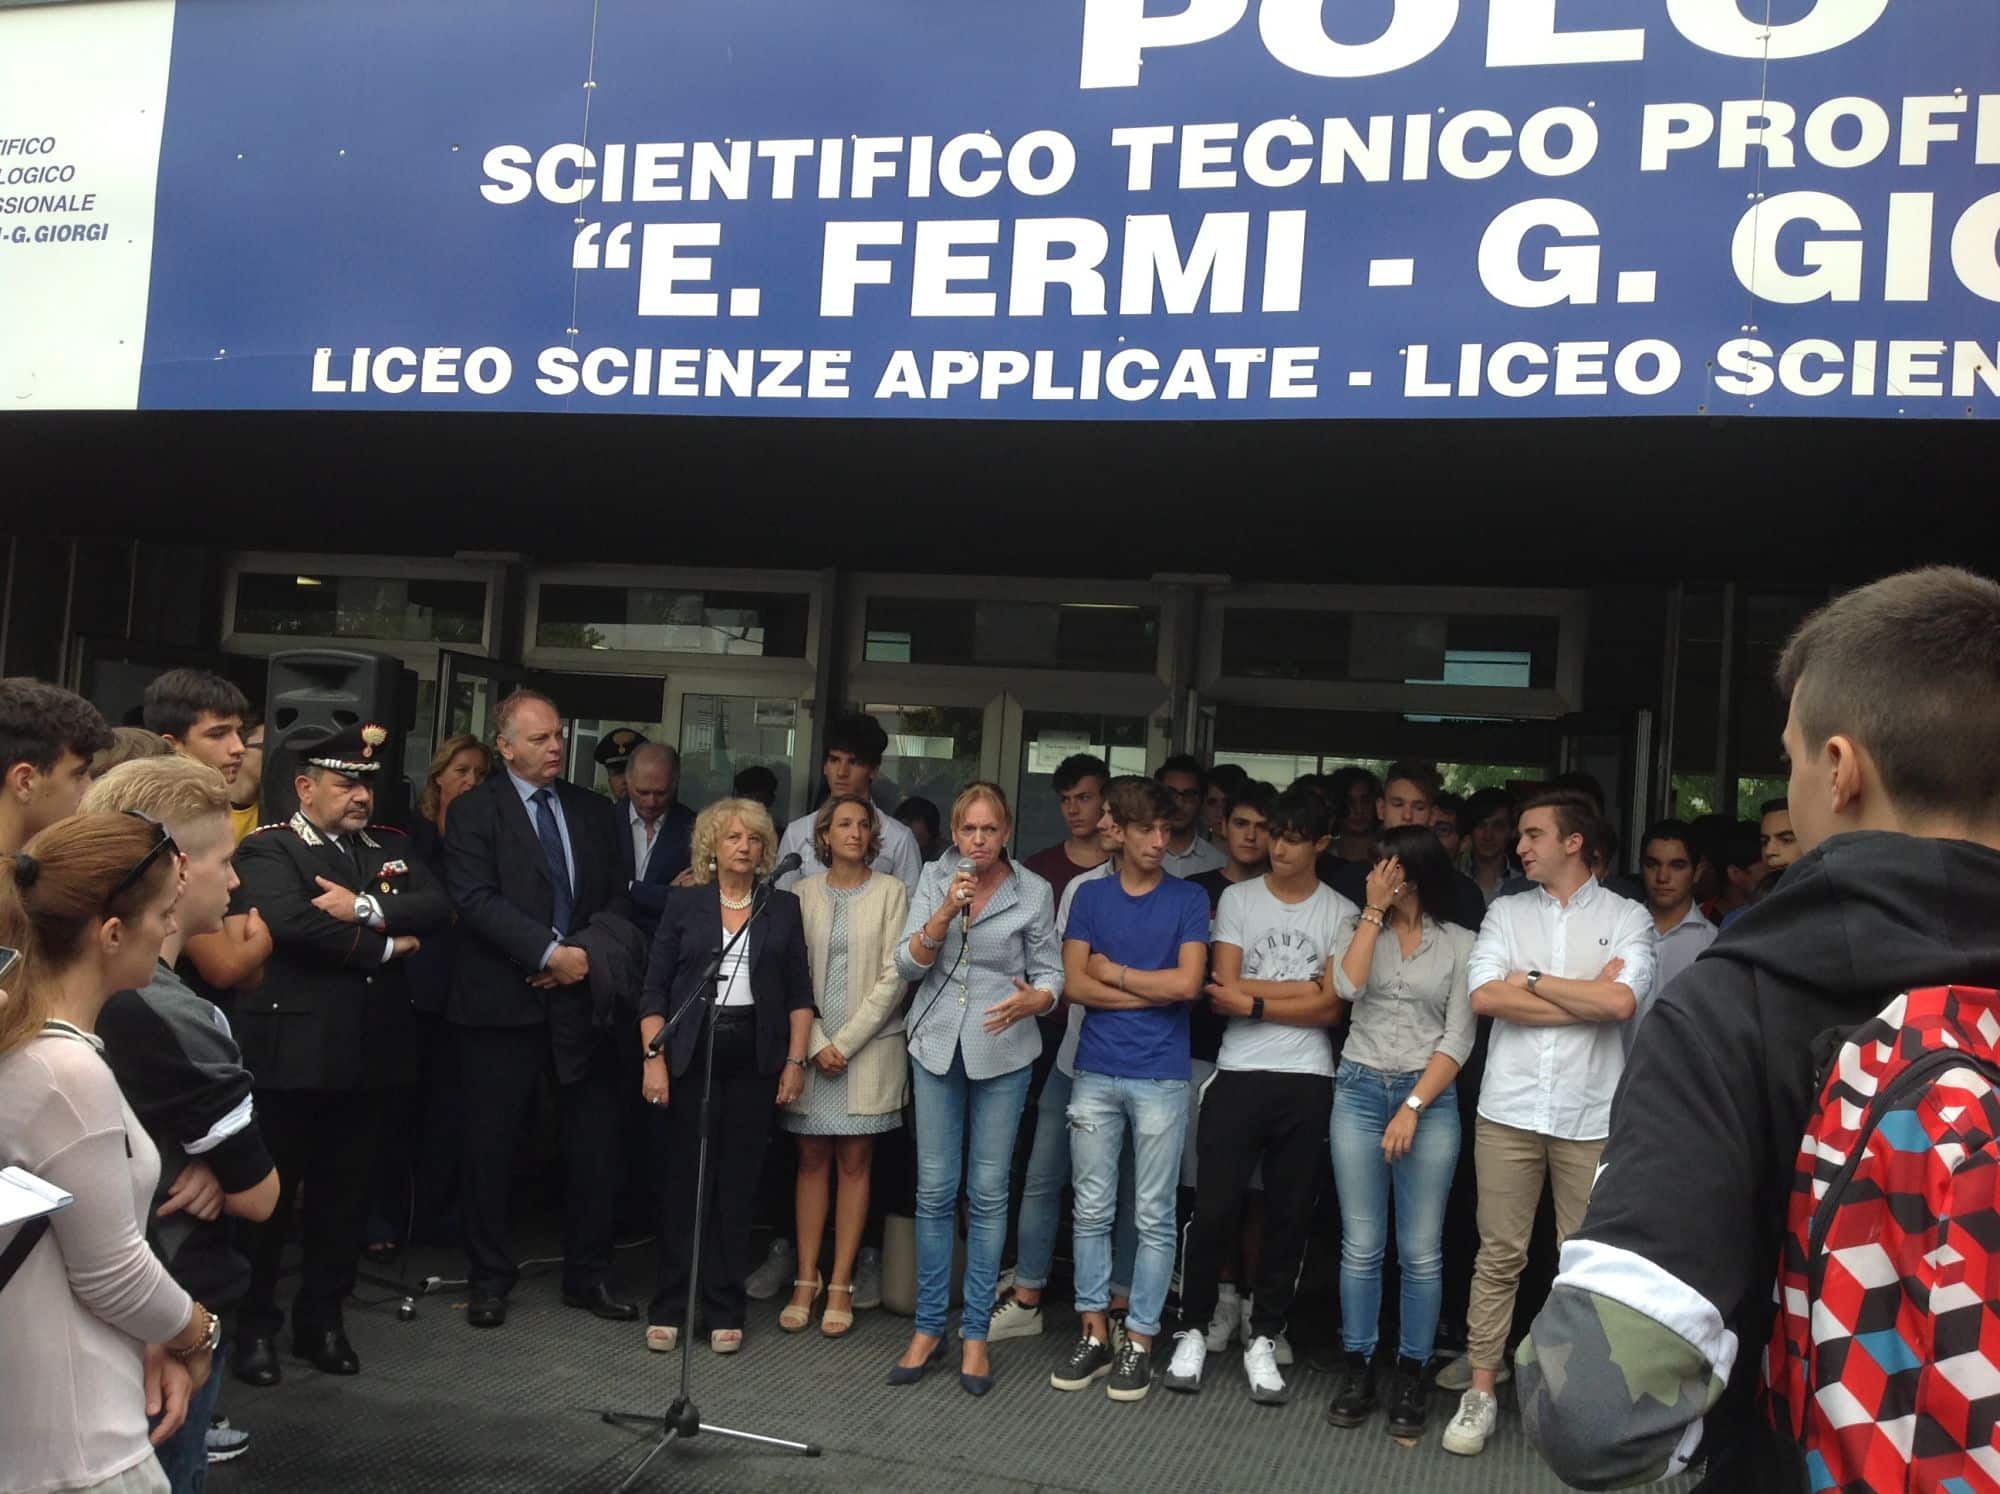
<point>416,1168</point>
<point>326,1140</point>
<point>501,1067</point>
<point>1245,1116</point>
<point>745,1103</point>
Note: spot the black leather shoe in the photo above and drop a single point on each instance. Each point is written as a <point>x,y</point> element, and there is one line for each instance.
<point>1407,1403</point>
<point>330,1353</point>
<point>256,1361</point>
<point>601,1303</point>
<point>1354,1395</point>
<point>485,1311</point>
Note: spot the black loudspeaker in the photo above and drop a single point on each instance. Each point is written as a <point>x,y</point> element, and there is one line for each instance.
<point>315,692</point>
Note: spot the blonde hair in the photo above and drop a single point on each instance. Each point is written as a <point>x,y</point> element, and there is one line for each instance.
<point>713,822</point>
<point>177,791</point>
<point>129,744</point>
<point>449,748</point>
<point>823,828</point>
<point>971,794</point>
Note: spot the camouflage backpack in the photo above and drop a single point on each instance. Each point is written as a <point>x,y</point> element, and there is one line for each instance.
<point>1884,1360</point>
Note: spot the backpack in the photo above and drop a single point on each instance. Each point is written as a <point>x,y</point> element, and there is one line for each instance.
<point>1884,1361</point>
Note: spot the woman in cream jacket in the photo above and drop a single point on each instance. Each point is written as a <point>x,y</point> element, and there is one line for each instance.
<point>860,1070</point>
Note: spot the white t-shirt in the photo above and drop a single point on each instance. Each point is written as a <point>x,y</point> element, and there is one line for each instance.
<point>1073,1033</point>
<point>1280,941</point>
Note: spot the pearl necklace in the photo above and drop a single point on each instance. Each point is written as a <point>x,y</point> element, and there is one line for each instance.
<point>732,904</point>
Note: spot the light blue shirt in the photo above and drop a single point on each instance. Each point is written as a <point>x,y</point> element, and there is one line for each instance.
<point>527,791</point>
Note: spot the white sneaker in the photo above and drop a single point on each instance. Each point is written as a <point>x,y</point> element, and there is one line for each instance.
<point>1478,1414</point>
<point>1190,1353</point>
<point>1284,1345</point>
<point>1228,1317</point>
<point>1260,1367</point>
<point>775,1275</point>
<point>867,1279</point>
<point>1013,1318</point>
<point>1458,1374</point>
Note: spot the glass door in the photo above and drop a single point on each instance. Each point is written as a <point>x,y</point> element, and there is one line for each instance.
<point>721,736</point>
<point>469,686</point>
<point>1129,742</point>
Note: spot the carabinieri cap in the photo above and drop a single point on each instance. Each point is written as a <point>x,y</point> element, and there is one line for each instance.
<point>615,749</point>
<point>355,751</point>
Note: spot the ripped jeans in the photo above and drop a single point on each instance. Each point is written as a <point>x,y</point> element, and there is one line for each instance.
<point>1103,1112</point>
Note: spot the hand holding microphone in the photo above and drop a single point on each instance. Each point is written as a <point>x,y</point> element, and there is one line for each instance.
<point>964,887</point>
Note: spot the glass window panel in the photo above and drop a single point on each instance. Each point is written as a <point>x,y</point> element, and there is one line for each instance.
<point>662,620</point>
<point>390,608</point>
<point>1023,635</point>
<point>1390,647</point>
<point>1047,737</point>
<point>934,751</point>
<point>721,735</point>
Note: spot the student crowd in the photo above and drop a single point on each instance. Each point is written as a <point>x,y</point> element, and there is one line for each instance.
<point>1211,1002</point>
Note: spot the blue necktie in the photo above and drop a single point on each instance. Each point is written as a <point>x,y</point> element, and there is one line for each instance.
<point>552,848</point>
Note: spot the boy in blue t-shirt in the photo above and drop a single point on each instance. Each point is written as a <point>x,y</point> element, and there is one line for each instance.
<point>1135,952</point>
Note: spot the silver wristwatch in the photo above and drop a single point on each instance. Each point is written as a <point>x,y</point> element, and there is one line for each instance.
<point>1411,1102</point>
<point>366,909</point>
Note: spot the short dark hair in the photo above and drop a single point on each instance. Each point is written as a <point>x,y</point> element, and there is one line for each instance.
<point>1425,864</point>
<point>1679,830</point>
<point>1481,807</point>
<point>860,736</point>
<point>1909,667</point>
<point>181,697</point>
<point>1423,775</point>
<point>1078,766</point>
<point>39,722</point>
<point>917,810</point>
<point>1774,806</point>
<point>1576,814</point>
<point>1229,777</point>
<point>1300,814</point>
<point>1340,783</point>
<point>1183,762</point>
<point>1449,802</point>
<point>755,782</point>
<point>1139,801</point>
<point>1259,795</point>
<point>1740,844</point>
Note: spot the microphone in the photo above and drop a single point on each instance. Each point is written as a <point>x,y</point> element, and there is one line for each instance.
<point>787,866</point>
<point>967,869</point>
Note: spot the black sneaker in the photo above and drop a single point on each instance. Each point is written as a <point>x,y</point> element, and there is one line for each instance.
<point>1087,1360</point>
<point>1132,1377</point>
<point>1354,1397</point>
<point>1408,1404</point>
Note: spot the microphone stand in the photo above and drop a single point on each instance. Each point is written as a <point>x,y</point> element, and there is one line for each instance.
<point>682,1418</point>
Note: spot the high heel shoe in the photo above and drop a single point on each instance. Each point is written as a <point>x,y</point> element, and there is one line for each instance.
<point>902,1374</point>
<point>835,1321</point>
<point>794,1317</point>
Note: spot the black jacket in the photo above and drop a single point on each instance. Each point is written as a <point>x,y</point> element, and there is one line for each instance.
<point>499,879</point>
<point>671,845</point>
<point>618,950</point>
<point>689,935</point>
<point>1707,1122</point>
<point>330,1013</point>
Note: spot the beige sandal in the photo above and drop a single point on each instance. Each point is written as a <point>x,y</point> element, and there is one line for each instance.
<point>835,1321</point>
<point>726,1340</point>
<point>663,1340</point>
<point>794,1317</point>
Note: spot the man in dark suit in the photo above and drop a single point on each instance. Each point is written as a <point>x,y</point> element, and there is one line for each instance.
<point>327,1034</point>
<point>530,859</point>
<point>655,830</point>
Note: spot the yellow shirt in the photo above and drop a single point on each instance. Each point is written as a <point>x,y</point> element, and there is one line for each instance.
<point>243,821</point>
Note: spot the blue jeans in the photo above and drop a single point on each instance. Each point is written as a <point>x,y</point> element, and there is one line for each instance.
<point>951,1108</point>
<point>1103,1112</point>
<point>1364,1102</point>
<point>184,1456</point>
<point>1041,1196</point>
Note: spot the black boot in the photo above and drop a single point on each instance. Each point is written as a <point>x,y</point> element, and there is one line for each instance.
<point>1408,1404</point>
<point>1354,1397</point>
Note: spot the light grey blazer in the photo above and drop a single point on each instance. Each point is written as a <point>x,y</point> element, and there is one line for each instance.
<point>1014,935</point>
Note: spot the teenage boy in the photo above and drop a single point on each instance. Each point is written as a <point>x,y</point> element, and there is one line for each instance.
<point>1134,955</point>
<point>1246,840</point>
<point>1779,840</point>
<point>1189,850</point>
<point>1740,871</point>
<point>180,1070</point>
<point>1561,970</point>
<point>855,746</point>
<point>1078,782</point>
<point>47,738</point>
<point>244,810</point>
<point>1667,860</point>
<point>1895,796</point>
<point>1272,1094</point>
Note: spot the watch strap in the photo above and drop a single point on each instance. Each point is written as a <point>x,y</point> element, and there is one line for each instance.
<point>1256,1008</point>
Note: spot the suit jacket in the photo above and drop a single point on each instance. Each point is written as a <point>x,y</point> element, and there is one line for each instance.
<point>689,935</point>
<point>330,1013</point>
<point>499,878</point>
<point>671,845</point>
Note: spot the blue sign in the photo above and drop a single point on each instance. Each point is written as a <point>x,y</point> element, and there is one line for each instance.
<point>1081,209</point>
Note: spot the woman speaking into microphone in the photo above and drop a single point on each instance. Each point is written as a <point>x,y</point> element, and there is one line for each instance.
<point>763,1019</point>
<point>981,943</point>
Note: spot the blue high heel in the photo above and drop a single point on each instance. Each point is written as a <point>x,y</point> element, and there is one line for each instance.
<point>903,1374</point>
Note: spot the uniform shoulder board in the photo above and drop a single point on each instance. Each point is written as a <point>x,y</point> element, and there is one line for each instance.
<point>278,825</point>
<point>389,830</point>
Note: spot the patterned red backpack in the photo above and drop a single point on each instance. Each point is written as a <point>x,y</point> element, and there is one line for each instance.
<point>1884,1361</point>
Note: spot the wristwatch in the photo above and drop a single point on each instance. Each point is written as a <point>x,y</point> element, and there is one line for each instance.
<point>1256,1008</point>
<point>1533,977</point>
<point>1411,1102</point>
<point>208,1343</point>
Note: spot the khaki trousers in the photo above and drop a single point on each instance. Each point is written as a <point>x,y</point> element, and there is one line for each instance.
<point>1510,1165</point>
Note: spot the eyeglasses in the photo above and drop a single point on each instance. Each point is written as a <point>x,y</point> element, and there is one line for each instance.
<point>164,844</point>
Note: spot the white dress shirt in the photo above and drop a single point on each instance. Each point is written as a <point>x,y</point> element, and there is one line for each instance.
<point>1558,1081</point>
<point>899,857</point>
<point>644,838</point>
